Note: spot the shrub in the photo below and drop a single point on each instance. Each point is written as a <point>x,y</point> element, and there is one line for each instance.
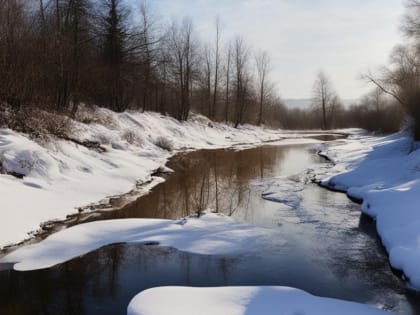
<point>41,124</point>
<point>164,143</point>
<point>90,115</point>
<point>132,137</point>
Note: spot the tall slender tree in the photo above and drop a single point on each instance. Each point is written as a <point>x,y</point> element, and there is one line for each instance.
<point>262,61</point>
<point>241,56</point>
<point>323,96</point>
<point>216,69</point>
<point>227,82</point>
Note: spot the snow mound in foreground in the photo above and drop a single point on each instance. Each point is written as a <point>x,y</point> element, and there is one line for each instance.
<point>211,234</point>
<point>385,173</point>
<point>241,301</point>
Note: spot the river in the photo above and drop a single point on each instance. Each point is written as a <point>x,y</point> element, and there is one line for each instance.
<point>331,249</point>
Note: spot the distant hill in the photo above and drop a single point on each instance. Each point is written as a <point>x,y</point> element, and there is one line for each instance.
<point>303,103</point>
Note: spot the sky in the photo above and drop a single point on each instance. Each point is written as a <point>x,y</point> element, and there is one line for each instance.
<point>344,38</point>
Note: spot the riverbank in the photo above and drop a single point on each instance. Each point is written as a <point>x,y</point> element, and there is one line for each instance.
<point>276,246</point>
<point>44,181</point>
<point>384,173</point>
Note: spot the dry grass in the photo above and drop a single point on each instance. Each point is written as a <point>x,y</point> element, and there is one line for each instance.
<point>38,124</point>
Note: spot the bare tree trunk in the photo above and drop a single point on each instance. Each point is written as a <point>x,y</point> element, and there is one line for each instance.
<point>323,96</point>
<point>216,69</point>
<point>208,81</point>
<point>324,112</point>
<point>229,56</point>
<point>241,56</point>
<point>148,56</point>
<point>262,61</point>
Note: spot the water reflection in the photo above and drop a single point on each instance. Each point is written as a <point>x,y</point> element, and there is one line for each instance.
<point>103,282</point>
<point>331,249</point>
<point>218,180</point>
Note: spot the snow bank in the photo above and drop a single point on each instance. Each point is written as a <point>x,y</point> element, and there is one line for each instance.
<point>241,301</point>
<point>62,176</point>
<point>211,234</point>
<point>385,173</point>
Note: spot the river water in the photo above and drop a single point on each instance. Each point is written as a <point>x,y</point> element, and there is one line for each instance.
<point>330,250</point>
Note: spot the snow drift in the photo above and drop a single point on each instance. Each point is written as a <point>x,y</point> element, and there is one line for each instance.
<point>241,301</point>
<point>385,173</point>
<point>211,234</point>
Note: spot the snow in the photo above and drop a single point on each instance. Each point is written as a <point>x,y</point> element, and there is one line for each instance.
<point>211,234</point>
<point>384,172</point>
<point>60,177</point>
<point>241,301</point>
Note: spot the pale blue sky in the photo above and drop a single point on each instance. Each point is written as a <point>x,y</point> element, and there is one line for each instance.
<point>343,37</point>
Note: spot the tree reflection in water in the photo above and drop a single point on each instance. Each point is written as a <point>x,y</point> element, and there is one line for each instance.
<point>217,180</point>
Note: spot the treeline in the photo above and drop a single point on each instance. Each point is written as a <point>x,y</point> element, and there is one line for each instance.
<point>377,111</point>
<point>396,93</point>
<point>58,54</point>
<point>385,116</point>
<point>401,80</point>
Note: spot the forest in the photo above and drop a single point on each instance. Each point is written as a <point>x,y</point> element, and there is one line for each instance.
<point>58,54</point>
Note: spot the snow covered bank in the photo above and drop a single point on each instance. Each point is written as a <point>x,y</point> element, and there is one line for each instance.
<point>61,176</point>
<point>241,301</point>
<point>385,173</point>
<point>211,234</point>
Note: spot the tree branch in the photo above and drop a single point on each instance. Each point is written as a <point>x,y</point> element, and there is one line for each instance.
<point>383,89</point>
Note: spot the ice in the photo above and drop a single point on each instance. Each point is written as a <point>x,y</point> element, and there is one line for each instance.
<point>283,190</point>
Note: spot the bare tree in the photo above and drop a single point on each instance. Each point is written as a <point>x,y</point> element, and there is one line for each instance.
<point>262,61</point>
<point>207,73</point>
<point>402,81</point>
<point>15,67</point>
<point>227,87</point>
<point>411,23</point>
<point>323,96</point>
<point>241,56</point>
<point>57,54</point>
<point>79,25</point>
<point>183,55</point>
<point>216,68</point>
<point>147,44</point>
<point>378,102</point>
